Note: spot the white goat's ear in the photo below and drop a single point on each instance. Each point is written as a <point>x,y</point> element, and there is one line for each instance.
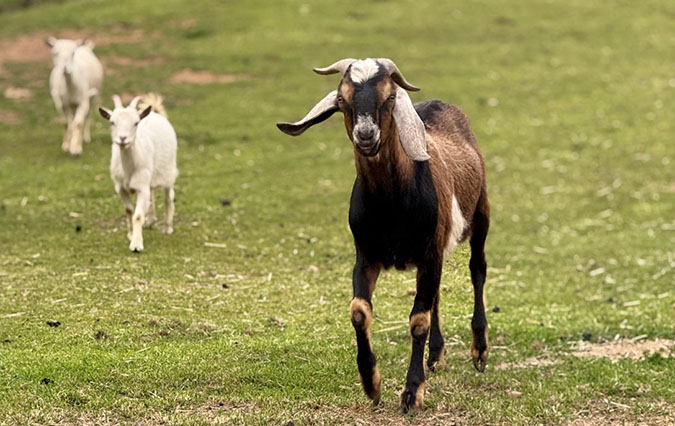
<point>105,113</point>
<point>88,44</point>
<point>321,111</point>
<point>146,111</point>
<point>410,127</point>
<point>51,41</point>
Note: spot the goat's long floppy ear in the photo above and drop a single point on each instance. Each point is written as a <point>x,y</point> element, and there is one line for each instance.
<point>321,111</point>
<point>105,113</point>
<point>410,127</point>
<point>51,41</point>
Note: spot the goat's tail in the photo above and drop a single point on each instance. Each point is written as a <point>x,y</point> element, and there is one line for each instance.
<point>155,100</point>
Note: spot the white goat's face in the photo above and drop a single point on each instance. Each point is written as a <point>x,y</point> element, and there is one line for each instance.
<point>63,51</point>
<point>124,121</point>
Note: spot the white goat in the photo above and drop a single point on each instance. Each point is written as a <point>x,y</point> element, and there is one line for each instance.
<point>74,83</point>
<point>143,158</point>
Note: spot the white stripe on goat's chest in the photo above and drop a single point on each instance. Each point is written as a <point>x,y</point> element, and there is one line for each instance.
<point>363,70</point>
<point>458,226</point>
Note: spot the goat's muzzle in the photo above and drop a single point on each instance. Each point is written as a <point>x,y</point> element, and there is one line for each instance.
<point>369,147</point>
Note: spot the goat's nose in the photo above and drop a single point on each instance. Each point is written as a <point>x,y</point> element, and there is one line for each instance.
<point>366,134</point>
<point>123,138</point>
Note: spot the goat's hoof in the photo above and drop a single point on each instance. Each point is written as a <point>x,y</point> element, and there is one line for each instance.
<point>412,398</point>
<point>76,152</point>
<point>479,350</point>
<point>436,360</point>
<point>65,147</point>
<point>479,358</point>
<point>136,248</point>
<point>168,230</point>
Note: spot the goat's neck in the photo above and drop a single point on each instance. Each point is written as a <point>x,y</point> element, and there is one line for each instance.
<point>389,170</point>
<point>129,156</point>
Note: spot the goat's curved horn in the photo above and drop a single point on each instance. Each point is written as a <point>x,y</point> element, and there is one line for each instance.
<point>117,101</point>
<point>134,102</point>
<point>338,67</point>
<point>396,74</point>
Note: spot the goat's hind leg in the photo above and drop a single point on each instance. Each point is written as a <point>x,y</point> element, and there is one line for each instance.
<point>478,266</point>
<point>436,358</point>
<point>151,216</point>
<point>361,313</point>
<point>428,282</point>
<point>169,203</point>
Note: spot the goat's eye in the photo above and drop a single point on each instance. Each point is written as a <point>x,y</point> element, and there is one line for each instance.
<point>136,123</point>
<point>340,99</point>
<point>112,123</point>
<point>392,97</point>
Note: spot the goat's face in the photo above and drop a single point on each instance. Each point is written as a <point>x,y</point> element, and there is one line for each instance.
<point>372,98</point>
<point>124,121</point>
<point>366,96</point>
<point>63,51</point>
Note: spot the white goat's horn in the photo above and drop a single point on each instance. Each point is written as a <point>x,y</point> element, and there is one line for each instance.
<point>134,102</point>
<point>396,74</point>
<point>117,101</point>
<point>338,67</point>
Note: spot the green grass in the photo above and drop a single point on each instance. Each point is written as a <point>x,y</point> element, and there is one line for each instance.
<point>571,103</point>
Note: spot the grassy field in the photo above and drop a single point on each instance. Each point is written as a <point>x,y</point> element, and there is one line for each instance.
<point>241,316</point>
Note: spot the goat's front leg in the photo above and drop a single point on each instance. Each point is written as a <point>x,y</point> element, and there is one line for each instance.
<point>77,127</point>
<point>142,205</point>
<point>128,209</point>
<point>428,282</point>
<point>68,116</point>
<point>361,312</point>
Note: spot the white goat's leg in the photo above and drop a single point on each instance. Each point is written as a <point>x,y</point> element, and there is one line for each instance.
<point>78,127</point>
<point>128,208</point>
<point>68,115</point>
<point>86,131</point>
<point>142,204</point>
<point>93,101</point>
<point>151,216</point>
<point>170,209</point>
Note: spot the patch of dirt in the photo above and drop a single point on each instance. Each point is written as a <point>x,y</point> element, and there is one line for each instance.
<point>110,63</point>
<point>529,362</point>
<point>625,348</point>
<point>32,47</point>
<point>9,117</point>
<point>17,93</point>
<point>205,77</point>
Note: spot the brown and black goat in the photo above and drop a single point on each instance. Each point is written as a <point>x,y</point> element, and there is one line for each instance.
<point>420,190</point>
